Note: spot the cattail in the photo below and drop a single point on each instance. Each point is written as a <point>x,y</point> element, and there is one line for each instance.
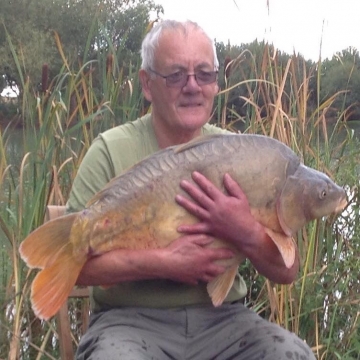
<point>109,63</point>
<point>44,78</point>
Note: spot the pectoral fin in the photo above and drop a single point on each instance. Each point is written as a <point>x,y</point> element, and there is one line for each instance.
<point>221,285</point>
<point>285,245</point>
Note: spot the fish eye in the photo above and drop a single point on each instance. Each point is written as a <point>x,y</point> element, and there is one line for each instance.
<point>323,194</point>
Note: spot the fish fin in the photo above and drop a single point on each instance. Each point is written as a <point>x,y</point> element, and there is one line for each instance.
<point>176,148</point>
<point>196,142</point>
<point>290,206</point>
<point>285,245</point>
<point>219,288</point>
<point>52,285</point>
<point>40,248</point>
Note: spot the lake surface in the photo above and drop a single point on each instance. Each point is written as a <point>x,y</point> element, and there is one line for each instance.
<point>15,139</point>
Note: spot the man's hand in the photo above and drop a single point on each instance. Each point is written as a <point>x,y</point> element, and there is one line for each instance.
<point>223,216</point>
<point>228,217</point>
<point>190,260</point>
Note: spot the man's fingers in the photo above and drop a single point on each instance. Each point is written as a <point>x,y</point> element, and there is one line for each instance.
<point>213,271</point>
<point>192,208</point>
<point>198,228</point>
<point>206,185</point>
<point>212,192</point>
<point>198,194</point>
<point>233,187</point>
<point>223,254</point>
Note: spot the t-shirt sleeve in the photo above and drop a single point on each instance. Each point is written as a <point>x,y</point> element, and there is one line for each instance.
<point>95,171</point>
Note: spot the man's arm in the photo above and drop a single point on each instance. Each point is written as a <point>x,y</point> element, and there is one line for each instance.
<point>228,217</point>
<point>187,259</point>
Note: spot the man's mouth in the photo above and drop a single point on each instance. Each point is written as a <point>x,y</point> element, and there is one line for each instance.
<point>188,105</point>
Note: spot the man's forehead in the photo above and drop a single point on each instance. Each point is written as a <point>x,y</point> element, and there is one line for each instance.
<point>184,35</point>
<point>175,46</point>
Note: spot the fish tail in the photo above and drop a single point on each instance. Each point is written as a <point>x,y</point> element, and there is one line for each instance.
<point>52,285</point>
<point>50,249</point>
<point>40,248</point>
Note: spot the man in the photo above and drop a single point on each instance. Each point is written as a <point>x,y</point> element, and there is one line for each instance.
<point>157,306</point>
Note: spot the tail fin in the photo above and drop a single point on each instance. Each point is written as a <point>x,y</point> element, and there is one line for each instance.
<point>41,247</point>
<point>52,285</point>
<point>49,248</point>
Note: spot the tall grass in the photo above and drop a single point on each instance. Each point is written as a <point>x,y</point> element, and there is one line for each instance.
<point>58,123</point>
<point>321,306</point>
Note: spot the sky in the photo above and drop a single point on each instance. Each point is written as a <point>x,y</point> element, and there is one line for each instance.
<point>303,26</point>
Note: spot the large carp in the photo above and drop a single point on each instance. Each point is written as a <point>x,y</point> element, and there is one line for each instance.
<point>137,210</point>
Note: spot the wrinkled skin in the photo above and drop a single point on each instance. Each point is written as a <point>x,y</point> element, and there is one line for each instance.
<point>178,115</point>
<point>228,217</point>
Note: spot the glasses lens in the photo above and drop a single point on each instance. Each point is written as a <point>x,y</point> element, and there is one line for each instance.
<point>205,77</point>
<point>180,78</point>
<point>177,79</point>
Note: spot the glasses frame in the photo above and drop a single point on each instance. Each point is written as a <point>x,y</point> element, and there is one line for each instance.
<point>186,78</point>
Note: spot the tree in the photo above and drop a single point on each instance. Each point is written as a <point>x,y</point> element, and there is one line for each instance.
<point>342,74</point>
<point>259,69</point>
<point>85,27</point>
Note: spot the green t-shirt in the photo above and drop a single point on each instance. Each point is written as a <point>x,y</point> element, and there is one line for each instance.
<point>111,153</point>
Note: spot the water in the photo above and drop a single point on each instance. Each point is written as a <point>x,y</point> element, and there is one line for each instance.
<point>15,139</point>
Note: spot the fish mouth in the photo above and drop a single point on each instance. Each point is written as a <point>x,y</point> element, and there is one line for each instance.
<point>341,205</point>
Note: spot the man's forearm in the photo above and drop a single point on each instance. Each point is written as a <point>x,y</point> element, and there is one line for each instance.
<point>188,259</point>
<point>121,265</point>
<point>266,258</point>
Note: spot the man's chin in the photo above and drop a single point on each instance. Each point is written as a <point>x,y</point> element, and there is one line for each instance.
<point>193,123</point>
<point>193,115</point>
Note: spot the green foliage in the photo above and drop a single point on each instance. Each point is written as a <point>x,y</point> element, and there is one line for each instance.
<point>339,78</point>
<point>342,73</point>
<point>8,110</point>
<point>280,100</point>
<point>31,26</point>
<point>268,93</point>
<point>58,126</point>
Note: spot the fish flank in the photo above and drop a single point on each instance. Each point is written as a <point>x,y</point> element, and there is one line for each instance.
<point>136,210</point>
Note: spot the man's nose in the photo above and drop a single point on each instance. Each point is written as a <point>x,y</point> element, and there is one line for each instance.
<point>191,82</point>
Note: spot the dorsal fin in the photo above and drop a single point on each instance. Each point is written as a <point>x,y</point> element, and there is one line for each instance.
<point>197,142</point>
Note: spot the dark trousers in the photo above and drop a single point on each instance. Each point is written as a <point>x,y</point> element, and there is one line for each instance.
<point>231,331</point>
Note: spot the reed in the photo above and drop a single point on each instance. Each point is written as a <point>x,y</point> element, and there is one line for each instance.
<point>59,123</point>
<point>322,305</point>
<point>61,120</point>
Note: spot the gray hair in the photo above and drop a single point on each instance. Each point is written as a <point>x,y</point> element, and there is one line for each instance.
<point>151,40</point>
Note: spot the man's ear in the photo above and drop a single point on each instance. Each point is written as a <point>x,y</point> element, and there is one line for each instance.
<point>144,80</point>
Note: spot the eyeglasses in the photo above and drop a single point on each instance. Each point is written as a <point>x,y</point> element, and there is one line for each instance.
<point>180,78</point>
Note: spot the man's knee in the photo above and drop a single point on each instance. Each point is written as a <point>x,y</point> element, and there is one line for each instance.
<point>278,343</point>
<point>114,345</point>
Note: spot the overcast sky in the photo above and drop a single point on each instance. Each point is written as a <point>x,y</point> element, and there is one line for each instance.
<point>290,25</point>
<point>300,25</point>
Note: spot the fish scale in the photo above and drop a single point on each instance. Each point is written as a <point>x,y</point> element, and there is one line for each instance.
<point>137,210</point>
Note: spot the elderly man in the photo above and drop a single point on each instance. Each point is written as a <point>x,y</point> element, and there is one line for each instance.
<point>157,306</point>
